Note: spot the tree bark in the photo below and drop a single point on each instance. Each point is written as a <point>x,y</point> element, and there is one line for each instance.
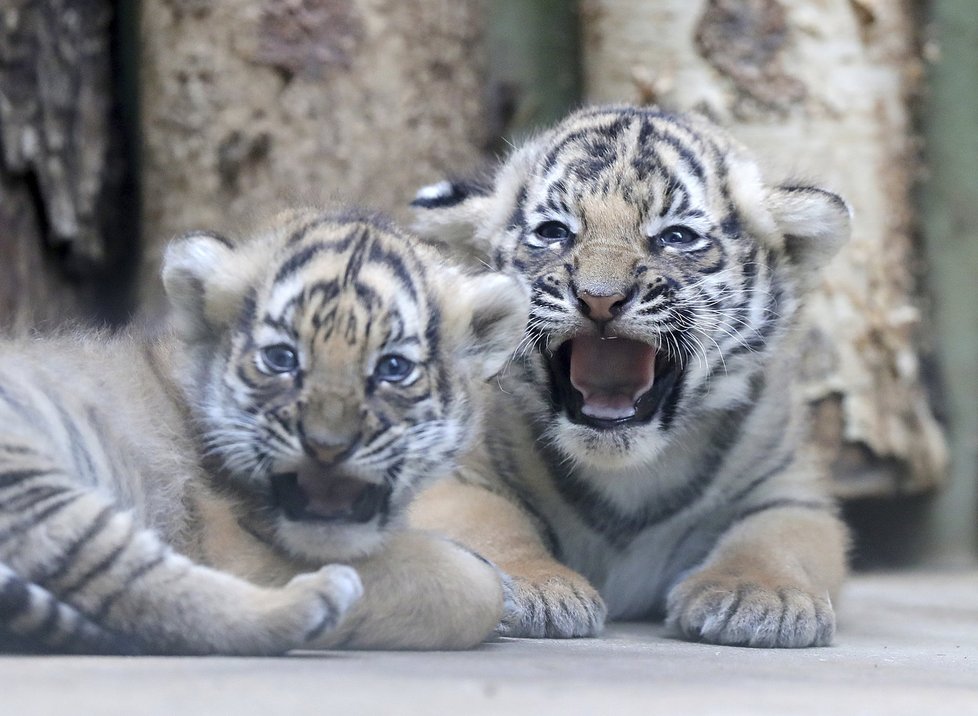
<point>820,90</point>
<point>249,106</point>
<point>60,167</point>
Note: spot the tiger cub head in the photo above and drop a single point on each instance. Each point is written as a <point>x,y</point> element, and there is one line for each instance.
<point>662,267</point>
<point>333,365</point>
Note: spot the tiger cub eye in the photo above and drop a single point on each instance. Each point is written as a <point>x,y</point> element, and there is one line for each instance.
<point>678,237</point>
<point>280,358</point>
<point>553,231</point>
<point>393,368</point>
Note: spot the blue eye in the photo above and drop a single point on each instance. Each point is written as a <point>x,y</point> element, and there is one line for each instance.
<point>393,368</point>
<point>279,358</point>
<point>678,236</point>
<point>553,231</point>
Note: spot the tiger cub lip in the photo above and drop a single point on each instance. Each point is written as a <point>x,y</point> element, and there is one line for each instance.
<point>308,495</point>
<point>612,382</point>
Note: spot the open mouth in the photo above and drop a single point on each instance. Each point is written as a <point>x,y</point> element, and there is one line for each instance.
<point>306,496</point>
<point>607,383</point>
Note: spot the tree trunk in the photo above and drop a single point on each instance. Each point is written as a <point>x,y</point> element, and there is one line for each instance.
<point>60,159</point>
<point>821,90</point>
<point>249,106</point>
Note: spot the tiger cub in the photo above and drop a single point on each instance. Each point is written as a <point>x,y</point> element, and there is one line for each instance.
<point>178,492</point>
<point>644,455</point>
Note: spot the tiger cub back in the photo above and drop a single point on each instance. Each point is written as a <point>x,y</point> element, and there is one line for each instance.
<point>176,491</point>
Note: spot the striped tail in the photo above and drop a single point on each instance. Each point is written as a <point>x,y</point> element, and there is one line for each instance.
<point>32,620</point>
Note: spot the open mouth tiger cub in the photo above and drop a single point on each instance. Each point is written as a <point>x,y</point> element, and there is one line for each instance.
<point>648,439</point>
<point>309,382</point>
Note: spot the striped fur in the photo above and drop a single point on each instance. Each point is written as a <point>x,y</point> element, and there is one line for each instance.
<point>177,492</point>
<point>647,436</point>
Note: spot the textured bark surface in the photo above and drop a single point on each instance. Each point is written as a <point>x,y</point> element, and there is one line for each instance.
<point>820,91</point>
<point>57,161</point>
<point>249,106</point>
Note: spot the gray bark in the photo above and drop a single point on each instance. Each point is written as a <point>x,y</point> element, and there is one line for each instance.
<point>250,106</point>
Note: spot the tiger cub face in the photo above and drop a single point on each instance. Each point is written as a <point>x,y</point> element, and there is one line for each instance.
<point>662,270</point>
<point>334,366</point>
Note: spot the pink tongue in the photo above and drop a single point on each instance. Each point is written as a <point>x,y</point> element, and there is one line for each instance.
<point>611,374</point>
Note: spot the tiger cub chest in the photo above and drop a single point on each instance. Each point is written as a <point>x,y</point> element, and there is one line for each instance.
<point>634,542</point>
<point>634,577</point>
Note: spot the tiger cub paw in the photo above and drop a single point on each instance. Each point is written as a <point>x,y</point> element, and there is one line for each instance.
<point>319,600</point>
<point>560,607</point>
<point>731,611</point>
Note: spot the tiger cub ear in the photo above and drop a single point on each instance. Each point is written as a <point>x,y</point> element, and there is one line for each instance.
<point>815,224</point>
<point>469,216</point>
<point>492,310</point>
<point>451,212</point>
<point>198,280</point>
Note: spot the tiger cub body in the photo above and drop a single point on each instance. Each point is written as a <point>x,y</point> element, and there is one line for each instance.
<point>179,492</point>
<point>645,456</point>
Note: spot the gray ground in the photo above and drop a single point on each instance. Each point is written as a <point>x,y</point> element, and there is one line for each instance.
<point>907,644</point>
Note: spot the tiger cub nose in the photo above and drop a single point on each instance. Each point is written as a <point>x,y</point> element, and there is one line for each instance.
<point>601,307</point>
<point>328,447</point>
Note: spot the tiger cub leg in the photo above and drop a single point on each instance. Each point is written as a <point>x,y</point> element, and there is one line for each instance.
<point>70,543</point>
<point>421,591</point>
<point>768,582</point>
<point>544,598</point>
<point>56,627</point>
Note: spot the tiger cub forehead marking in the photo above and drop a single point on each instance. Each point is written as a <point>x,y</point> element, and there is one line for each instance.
<point>642,167</point>
<point>347,284</point>
<point>617,179</point>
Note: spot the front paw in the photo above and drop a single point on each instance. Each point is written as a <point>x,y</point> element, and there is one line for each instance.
<point>558,607</point>
<point>739,612</point>
<point>320,599</point>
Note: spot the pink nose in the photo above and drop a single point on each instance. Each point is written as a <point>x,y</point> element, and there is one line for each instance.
<point>328,448</point>
<point>601,308</point>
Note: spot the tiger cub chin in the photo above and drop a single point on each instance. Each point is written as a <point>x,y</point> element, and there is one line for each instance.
<point>178,492</point>
<point>645,453</point>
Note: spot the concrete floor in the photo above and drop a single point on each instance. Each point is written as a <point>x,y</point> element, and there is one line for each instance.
<point>907,643</point>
